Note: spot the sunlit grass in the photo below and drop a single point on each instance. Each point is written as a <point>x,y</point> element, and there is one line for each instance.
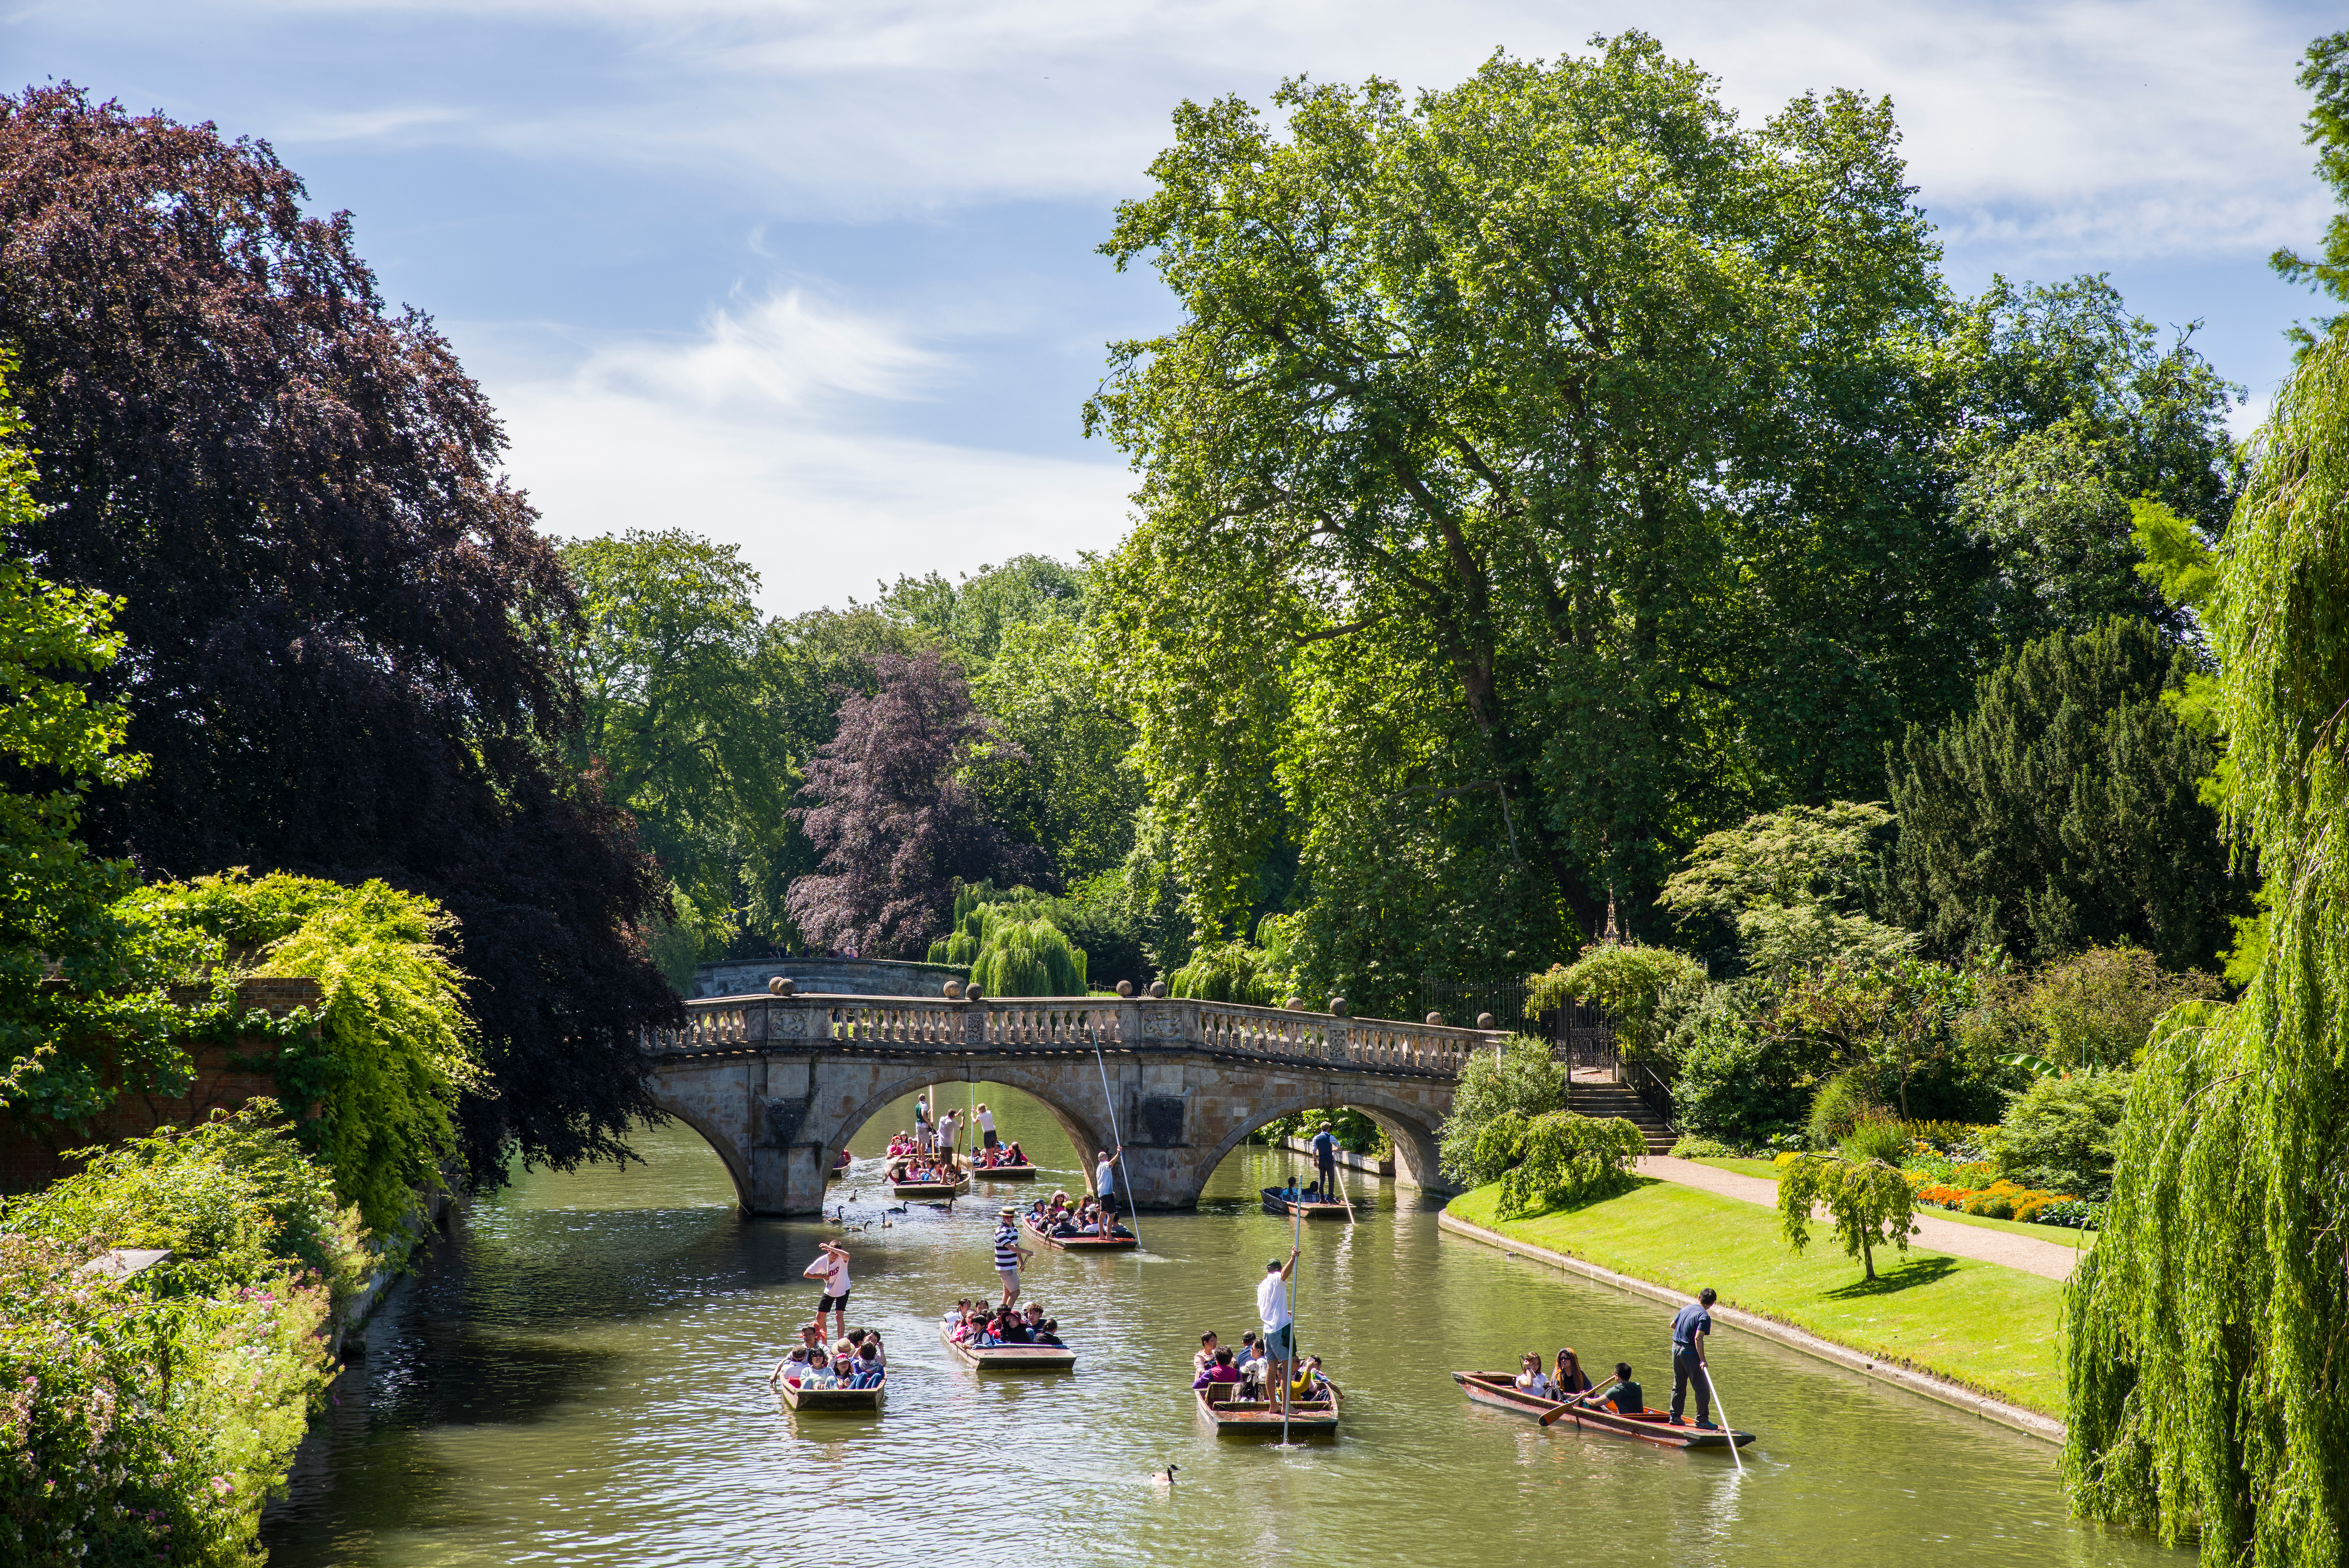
<point>1992,1328</point>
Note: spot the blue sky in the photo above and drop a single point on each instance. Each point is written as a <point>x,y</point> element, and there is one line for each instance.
<point>820,279</point>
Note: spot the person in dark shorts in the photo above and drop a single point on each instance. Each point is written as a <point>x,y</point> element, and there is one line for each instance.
<point>1325,1160</point>
<point>1691,1328</point>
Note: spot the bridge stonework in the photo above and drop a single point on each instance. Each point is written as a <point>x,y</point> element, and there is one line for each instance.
<point>778,1086</point>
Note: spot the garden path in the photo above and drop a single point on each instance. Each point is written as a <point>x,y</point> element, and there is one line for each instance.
<point>2043,1258</point>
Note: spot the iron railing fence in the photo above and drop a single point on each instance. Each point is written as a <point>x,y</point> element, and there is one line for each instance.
<point>1462,1001</point>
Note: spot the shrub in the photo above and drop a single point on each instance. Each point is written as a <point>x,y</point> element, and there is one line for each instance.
<point>1701,1148</point>
<point>1011,944</point>
<point>1733,1082</point>
<point>396,1042</point>
<point>2076,1213</point>
<point>150,1419</point>
<point>2060,1133</point>
<point>1875,1137</point>
<point>1230,972</point>
<point>1631,983</point>
<point>1565,1159</point>
<point>1839,1104</point>
<point>1521,1077</point>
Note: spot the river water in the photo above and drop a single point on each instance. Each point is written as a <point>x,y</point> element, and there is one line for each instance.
<point>577,1376</point>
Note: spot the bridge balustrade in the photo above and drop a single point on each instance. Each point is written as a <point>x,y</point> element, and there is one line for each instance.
<point>1047,1023</point>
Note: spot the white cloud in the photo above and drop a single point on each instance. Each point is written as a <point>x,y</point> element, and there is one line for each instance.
<point>761,432</point>
<point>2112,127</point>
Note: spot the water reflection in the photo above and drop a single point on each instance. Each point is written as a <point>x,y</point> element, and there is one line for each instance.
<point>577,1378</point>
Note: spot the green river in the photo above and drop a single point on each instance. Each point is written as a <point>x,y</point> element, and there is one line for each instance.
<point>577,1377</point>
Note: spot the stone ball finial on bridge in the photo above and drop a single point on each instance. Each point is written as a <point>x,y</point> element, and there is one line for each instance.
<point>1436,1019</point>
<point>954,991</point>
<point>1125,988</point>
<point>781,985</point>
<point>1294,1004</point>
<point>1485,1021</point>
<point>1338,1008</point>
<point>1158,990</point>
<point>972,993</point>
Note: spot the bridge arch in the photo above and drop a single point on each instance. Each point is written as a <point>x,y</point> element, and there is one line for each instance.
<point>1403,1123</point>
<point>728,1153</point>
<point>1083,1132</point>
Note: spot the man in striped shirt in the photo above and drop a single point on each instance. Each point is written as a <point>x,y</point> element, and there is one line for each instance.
<point>1008,1253</point>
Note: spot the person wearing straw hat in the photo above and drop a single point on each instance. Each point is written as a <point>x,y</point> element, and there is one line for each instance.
<point>1008,1253</point>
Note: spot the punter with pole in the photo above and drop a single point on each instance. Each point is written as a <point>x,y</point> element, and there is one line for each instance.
<point>1691,1327</point>
<point>1280,1340</point>
<point>1325,1161</point>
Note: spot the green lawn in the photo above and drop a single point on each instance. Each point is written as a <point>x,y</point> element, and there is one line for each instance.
<point>1994,1329</point>
<point>2057,1235</point>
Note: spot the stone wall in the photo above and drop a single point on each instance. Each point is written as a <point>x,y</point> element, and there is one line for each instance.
<point>225,1076</point>
<point>826,977</point>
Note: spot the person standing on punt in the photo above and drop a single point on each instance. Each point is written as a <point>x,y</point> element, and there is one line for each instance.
<point>986,1126</point>
<point>1008,1253</point>
<point>831,1266</point>
<point>1325,1161</point>
<point>922,1136</point>
<point>1691,1328</point>
<point>1105,1184</point>
<point>1279,1342</point>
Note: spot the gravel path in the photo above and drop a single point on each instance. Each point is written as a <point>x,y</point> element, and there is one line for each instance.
<point>2043,1258</point>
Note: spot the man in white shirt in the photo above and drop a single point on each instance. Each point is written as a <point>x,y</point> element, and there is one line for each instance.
<point>1105,1185</point>
<point>949,1125</point>
<point>1279,1342</point>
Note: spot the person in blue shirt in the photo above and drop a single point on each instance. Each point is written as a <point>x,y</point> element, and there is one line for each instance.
<point>1325,1160</point>
<point>1691,1328</point>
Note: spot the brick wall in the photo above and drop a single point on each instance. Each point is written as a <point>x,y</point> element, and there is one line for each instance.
<point>225,1076</point>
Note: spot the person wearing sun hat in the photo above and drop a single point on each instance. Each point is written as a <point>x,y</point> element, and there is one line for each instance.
<point>1008,1253</point>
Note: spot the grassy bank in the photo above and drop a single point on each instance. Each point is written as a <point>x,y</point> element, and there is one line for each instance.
<point>1994,1329</point>
<point>2055,1235</point>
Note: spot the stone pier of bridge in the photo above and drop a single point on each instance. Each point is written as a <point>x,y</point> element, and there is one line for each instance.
<point>778,1085</point>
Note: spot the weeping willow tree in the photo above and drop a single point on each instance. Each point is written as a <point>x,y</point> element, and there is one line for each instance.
<point>2209,1352</point>
<point>1013,947</point>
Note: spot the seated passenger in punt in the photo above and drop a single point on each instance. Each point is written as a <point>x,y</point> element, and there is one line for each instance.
<point>1206,1357</point>
<point>867,1371</point>
<point>1568,1378</point>
<point>790,1369</point>
<point>1219,1370</point>
<point>1624,1396</point>
<point>1012,1155</point>
<point>1310,1384</point>
<point>819,1374</point>
<point>1531,1379</point>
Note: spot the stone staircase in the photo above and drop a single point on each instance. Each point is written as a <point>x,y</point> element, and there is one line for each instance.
<point>1612,1099</point>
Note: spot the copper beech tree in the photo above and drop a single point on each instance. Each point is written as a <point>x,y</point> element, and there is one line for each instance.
<point>340,624</point>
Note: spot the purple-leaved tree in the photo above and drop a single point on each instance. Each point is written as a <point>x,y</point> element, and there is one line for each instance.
<point>893,823</point>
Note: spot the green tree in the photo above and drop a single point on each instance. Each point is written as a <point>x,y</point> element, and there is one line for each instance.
<point>1797,885</point>
<point>80,1015</point>
<point>1565,399</point>
<point>2208,1395</point>
<point>1633,983</point>
<point>2325,71</point>
<point>2064,810</point>
<point>1869,1202</point>
<point>1520,1079</point>
<point>969,620</point>
<point>1064,783</point>
<point>678,710</point>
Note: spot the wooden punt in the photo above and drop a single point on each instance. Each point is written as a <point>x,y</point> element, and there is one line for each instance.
<point>1657,1427</point>
<point>832,1401</point>
<point>1004,1172</point>
<point>1007,1357</point>
<point>1285,1201</point>
<point>1080,1243</point>
<point>1262,1418</point>
<point>932,1190</point>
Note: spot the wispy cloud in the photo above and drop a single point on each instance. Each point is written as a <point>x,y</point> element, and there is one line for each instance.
<point>769,430</point>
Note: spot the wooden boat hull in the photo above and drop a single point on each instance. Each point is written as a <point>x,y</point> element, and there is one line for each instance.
<point>1005,1173</point>
<point>1008,1357</point>
<point>932,1191</point>
<point>1262,1418</point>
<point>1277,1201</point>
<point>836,1401</point>
<point>1082,1243</point>
<point>1656,1429</point>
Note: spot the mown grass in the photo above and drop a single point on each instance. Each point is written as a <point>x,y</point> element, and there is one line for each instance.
<point>2057,1235</point>
<point>1989,1327</point>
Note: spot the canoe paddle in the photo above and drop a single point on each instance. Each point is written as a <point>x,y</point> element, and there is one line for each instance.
<point>1557,1411</point>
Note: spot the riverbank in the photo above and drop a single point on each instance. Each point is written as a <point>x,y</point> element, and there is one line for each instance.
<point>1981,1330</point>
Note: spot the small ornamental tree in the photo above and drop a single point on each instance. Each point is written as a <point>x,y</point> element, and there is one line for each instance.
<point>1520,1079</point>
<point>1563,1159</point>
<point>1868,1202</point>
<point>891,817</point>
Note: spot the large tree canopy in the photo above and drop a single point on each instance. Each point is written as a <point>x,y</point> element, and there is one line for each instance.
<point>340,624</point>
<point>2209,1389</point>
<point>1585,414</point>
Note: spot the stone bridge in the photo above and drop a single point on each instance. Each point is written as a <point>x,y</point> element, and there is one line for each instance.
<point>778,1085</point>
